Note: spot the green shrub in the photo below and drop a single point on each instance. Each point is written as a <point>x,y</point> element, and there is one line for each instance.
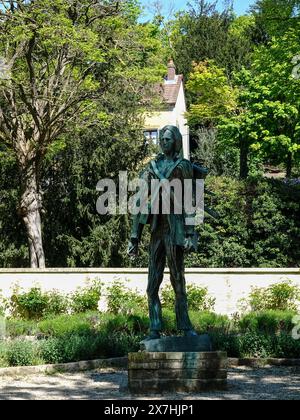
<point>66,325</point>
<point>36,304</point>
<point>198,298</point>
<point>22,353</point>
<point>269,322</point>
<point>18,327</point>
<point>86,298</point>
<point>3,354</point>
<point>121,300</point>
<point>118,344</point>
<point>132,324</point>
<point>57,303</point>
<point>169,321</point>
<point>227,342</point>
<point>253,344</point>
<point>206,322</point>
<point>52,350</point>
<point>30,305</point>
<point>287,347</point>
<point>283,297</point>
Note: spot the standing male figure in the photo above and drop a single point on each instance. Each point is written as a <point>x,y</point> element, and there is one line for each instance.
<point>171,234</point>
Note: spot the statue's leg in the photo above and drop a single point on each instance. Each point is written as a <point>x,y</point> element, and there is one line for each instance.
<point>157,265</point>
<point>175,255</point>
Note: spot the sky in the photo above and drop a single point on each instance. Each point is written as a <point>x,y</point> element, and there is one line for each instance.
<point>240,6</point>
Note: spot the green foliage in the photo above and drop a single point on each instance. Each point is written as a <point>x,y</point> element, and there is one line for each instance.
<point>66,326</point>
<point>253,344</point>
<point>105,84</point>
<point>258,225</point>
<point>31,305</point>
<point>211,95</point>
<point>87,298</point>
<point>13,246</point>
<point>18,327</point>
<point>122,300</point>
<point>198,298</point>
<point>267,322</point>
<point>22,353</point>
<point>267,123</point>
<point>52,351</point>
<point>209,152</point>
<point>278,297</point>
<point>203,32</point>
<point>36,304</point>
<point>267,13</point>
<point>91,336</point>
<point>57,303</point>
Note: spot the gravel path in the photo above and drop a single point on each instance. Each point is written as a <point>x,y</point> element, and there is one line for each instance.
<point>244,384</point>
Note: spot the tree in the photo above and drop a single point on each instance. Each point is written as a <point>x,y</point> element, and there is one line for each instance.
<point>275,17</point>
<point>76,69</point>
<point>211,95</point>
<point>202,32</point>
<point>269,104</point>
<point>51,50</point>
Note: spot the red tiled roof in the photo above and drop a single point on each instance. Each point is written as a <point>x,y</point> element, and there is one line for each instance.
<point>170,91</point>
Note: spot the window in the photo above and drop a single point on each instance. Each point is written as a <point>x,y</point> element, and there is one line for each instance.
<point>152,136</point>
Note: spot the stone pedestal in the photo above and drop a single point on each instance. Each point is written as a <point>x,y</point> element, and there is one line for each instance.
<point>158,372</point>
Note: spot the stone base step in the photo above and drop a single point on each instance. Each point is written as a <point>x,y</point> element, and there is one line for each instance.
<point>176,372</point>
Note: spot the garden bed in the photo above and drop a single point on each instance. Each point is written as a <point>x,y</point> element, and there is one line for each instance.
<point>48,328</point>
<point>90,336</point>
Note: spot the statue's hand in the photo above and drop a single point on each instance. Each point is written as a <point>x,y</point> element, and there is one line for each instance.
<point>189,244</point>
<point>133,248</point>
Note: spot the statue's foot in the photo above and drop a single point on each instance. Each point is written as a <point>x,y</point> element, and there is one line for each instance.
<point>154,335</point>
<point>190,333</point>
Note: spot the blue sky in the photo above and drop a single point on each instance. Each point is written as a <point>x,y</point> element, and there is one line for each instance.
<point>240,6</point>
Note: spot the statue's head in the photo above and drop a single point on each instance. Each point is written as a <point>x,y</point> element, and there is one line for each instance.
<point>170,139</point>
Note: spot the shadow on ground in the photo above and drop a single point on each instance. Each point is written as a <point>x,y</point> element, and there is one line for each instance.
<point>244,384</point>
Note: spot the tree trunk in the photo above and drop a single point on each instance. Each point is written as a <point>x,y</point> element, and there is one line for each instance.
<point>31,214</point>
<point>289,165</point>
<point>244,152</point>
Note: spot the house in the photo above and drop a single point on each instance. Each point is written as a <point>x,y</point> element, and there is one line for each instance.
<point>173,112</point>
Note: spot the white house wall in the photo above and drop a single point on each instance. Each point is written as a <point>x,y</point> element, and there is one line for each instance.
<point>175,116</point>
<point>181,121</point>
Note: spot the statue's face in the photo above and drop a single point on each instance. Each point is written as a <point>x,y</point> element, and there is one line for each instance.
<point>168,142</point>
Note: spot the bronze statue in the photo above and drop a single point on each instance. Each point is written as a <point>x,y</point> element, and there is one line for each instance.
<point>171,235</point>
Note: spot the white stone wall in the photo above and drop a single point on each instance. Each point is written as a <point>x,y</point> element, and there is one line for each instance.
<point>228,286</point>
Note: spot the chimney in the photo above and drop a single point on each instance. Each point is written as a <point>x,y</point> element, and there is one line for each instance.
<point>171,70</point>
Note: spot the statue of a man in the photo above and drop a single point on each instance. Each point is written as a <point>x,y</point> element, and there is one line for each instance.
<point>171,234</point>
